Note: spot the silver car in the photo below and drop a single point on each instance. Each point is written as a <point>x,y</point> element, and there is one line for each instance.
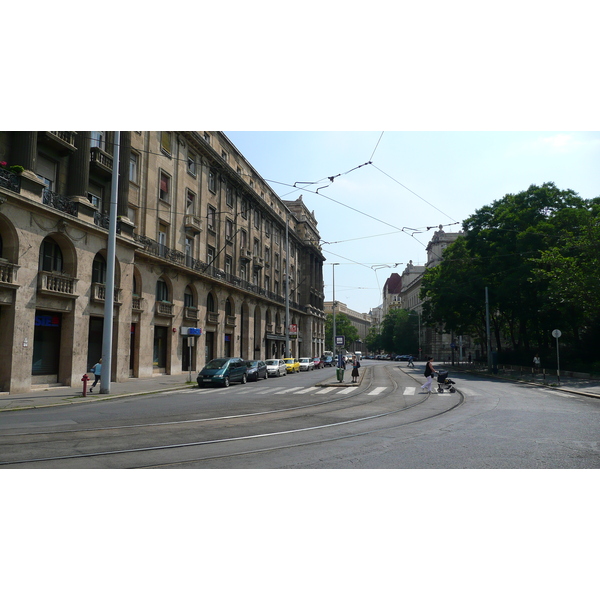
<point>275,367</point>
<point>307,364</point>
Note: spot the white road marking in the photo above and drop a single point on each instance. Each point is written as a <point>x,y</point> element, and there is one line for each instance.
<point>289,390</point>
<point>409,391</point>
<point>305,390</point>
<point>376,391</point>
<point>325,390</point>
<point>345,390</point>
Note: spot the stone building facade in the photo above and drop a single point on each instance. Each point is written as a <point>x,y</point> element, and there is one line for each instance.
<point>203,243</point>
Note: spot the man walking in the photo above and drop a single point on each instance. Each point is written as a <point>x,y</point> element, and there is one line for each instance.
<point>97,371</point>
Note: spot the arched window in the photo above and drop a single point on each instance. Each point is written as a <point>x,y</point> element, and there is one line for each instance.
<point>51,258</point>
<point>99,269</point>
<point>162,291</point>
<point>210,303</point>
<point>188,297</point>
<point>228,308</point>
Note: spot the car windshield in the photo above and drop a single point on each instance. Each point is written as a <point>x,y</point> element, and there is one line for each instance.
<point>217,363</point>
<point>272,361</point>
<point>304,360</point>
<point>290,361</point>
<point>252,363</point>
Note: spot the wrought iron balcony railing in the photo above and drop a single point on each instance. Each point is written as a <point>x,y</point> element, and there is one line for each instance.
<point>50,198</point>
<point>9,180</point>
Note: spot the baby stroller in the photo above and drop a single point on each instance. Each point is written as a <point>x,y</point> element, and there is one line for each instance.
<point>444,383</point>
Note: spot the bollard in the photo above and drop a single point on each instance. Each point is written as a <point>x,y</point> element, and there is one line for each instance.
<point>340,375</point>
<point>85,379</point>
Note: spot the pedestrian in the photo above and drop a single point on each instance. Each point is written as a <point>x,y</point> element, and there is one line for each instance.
<point>355,368</point>
<point>97,371</point>
<point>410,361</point>
<point>429,372</point>
<point>537,363</point>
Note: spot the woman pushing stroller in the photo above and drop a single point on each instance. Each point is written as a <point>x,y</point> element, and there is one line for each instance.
<point>429,372</point>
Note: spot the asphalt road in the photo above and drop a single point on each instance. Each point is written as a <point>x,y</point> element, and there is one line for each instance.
<point>293,423</point>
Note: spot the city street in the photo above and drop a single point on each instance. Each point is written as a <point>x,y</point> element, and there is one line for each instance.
<point>295,422</point>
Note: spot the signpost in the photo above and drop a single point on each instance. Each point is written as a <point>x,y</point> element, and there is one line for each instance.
<point>556,334</point>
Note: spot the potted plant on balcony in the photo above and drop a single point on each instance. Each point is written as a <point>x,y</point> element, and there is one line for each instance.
<point>16,169</point>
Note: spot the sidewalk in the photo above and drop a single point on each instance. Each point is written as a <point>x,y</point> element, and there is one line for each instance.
<point>43,396</point>
<point>575,385</point>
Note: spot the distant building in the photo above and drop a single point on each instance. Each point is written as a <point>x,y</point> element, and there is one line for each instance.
<point>362,322</point>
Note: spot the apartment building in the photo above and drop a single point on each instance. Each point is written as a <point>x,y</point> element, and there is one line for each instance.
<point>205,252</point>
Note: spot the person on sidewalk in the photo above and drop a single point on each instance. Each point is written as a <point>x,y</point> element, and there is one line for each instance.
<point>97,371</point>
<point>355,367</point>
<point>429,372</point>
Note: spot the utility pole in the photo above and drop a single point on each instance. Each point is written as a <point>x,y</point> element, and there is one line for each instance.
<point>487,326</point>
<point>109,299</point>
<point>287,287</point>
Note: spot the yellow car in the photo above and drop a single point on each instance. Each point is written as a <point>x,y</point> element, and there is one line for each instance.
<point>292,365</point>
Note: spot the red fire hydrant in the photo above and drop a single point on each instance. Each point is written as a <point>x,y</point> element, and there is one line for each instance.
<point>85,379</point>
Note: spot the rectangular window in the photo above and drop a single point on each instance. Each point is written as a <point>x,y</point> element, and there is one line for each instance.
<point>211,218</point>
<point>165,142</point>
<point>243,239</point>
<point>229,229</point>
<point>191,163</point>
<point>212,181</point>
<point>46,171</point>
<point>98,140</point>
<point>243,272</point>
<point>228,265</point>
<point>165,188</point>
<point>267,283</point>
<point>229,196</point>
<point>256,219</point>
<point>244,209</point>
<point>190,202</point>
<point>267,255</point>
<point>210,254</point>
<point>133,167</point>
<point>162,238</point>
<point>256,247</point>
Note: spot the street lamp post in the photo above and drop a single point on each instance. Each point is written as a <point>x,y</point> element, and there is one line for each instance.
<point>333,265</point>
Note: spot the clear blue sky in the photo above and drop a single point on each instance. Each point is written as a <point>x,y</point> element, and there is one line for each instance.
<point>416,180</point>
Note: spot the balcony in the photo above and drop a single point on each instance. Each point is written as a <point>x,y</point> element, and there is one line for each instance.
<point>50,198</point>
<point>269,327</point>
<point>193,223</point>
<point>101,161</point>
<point>163,309</point>
<point>10,181</point>
<point>259,262</point>
<point>212,317</point>
<point>56,284</point>
<point>99,293</point>
<point>8,274</point>
<point>245,254</point>
<point>191,313</point>
<point>230,320</point>
<point>137,304</point>
<point>63,141</point>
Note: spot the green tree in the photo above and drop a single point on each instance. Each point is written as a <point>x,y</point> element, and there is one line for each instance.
<point>343,326</point>
<point>399,332</point>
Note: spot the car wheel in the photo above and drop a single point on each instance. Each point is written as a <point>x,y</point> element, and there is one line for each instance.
<point>266,375</point>
<point>278,373</point>
<point>226,382</point>
<point>244,378</point>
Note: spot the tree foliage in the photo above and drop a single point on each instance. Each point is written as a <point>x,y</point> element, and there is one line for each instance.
<point>537,252</point>
<point>343,326</point>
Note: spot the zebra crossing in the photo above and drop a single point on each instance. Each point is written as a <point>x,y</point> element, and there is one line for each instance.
<point>297,390</point>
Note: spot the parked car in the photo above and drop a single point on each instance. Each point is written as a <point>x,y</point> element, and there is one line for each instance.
<point>223,371</point>
<point>292,365</point>
<point>306,364</point>
<point>276,367</point>
<point>328,361</point>
<point>318,362</point>
<point>257,369</point>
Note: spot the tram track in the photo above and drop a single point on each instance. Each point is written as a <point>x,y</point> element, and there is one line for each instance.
<point>261,432</point>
